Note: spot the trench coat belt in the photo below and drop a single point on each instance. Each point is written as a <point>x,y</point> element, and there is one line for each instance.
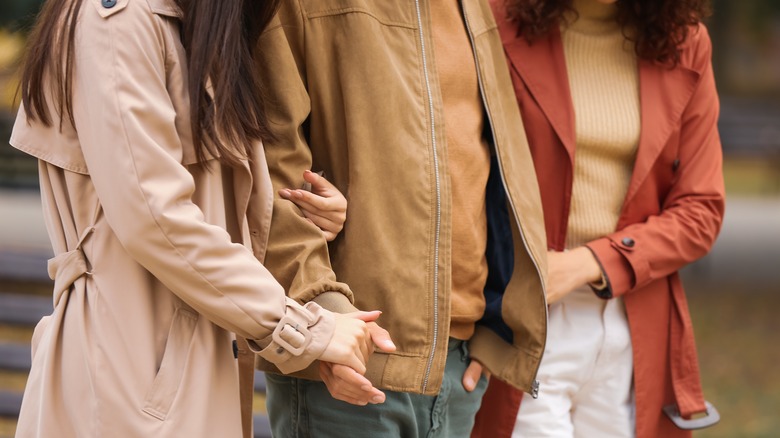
<point>688,393</point>
<point>68,267</point>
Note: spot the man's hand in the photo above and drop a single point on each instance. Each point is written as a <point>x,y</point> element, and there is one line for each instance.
<point>348,385</point>
<point>380,337</point>
<point>472,375</point>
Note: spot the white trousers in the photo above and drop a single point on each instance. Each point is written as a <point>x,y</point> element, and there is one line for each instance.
<point>586,373</point>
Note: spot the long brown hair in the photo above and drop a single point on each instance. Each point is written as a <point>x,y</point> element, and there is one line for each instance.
<point>658,27</point>
<point>218,36</point>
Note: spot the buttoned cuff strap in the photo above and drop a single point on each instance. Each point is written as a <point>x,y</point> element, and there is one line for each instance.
<point>300,338</point>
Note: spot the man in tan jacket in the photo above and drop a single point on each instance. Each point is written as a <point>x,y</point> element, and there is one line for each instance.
<point>408,107</point>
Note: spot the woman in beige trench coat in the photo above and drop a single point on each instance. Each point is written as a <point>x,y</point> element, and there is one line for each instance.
<point>157,242</point>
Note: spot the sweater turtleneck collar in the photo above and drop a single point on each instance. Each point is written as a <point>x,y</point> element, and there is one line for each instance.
<point>592,16</point>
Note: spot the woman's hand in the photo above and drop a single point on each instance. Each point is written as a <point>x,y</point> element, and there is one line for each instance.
<point>347,383</point>
<point>569,270</point>
<point>324,205</point>
<point>351,342</point>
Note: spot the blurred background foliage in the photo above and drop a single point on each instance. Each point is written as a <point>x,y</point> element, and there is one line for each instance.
<point>734,292</point>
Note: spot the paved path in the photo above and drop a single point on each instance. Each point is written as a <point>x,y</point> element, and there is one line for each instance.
<point>748,248</point>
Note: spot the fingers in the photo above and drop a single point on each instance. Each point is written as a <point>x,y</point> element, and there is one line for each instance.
<point>347,385</point>
<point>349,344</point>
<point>380,337</point>
<point>322,212</point>
<point>319,184</point>
<point>365,316</point>
<point>326,224</point>
<point>472,375</point>
<point>309,201</point>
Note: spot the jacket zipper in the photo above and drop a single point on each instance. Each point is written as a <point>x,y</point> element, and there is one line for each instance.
<point>535,384</point>
<point>438,203</point>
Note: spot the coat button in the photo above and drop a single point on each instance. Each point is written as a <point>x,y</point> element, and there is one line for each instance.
<point>108,4</point>
<point>675,164</point>
<point>628,242</point>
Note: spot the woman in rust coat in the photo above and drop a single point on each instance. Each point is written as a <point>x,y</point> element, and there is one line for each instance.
<point>620,108</point>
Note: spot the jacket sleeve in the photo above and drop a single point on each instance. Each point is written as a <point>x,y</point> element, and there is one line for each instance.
<point>126,126</point>
<point>691,214</point>
<point>297,252</point>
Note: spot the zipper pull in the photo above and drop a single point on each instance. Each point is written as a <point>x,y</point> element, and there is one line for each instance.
<point>535,389</point>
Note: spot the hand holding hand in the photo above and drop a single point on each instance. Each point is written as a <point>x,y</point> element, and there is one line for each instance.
<point>351,343</point>
<point>324,205</point>
<point>347,384</point>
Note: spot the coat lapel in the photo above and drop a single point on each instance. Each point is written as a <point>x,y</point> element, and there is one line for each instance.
<point>545,77</point>
<point>664,93</point>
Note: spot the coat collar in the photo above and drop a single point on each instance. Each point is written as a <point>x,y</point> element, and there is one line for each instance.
<point>664,94</point>
<point>169,8</point>
<point>542,67</point>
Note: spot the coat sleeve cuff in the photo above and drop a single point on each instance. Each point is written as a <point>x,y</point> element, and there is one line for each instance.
<point>299,339</point>
<point>615,267</point>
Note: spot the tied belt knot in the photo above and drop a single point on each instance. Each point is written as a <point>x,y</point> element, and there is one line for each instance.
<point>69,266</point>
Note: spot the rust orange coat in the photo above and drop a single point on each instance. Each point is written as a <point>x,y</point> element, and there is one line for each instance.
<point>671,215</point>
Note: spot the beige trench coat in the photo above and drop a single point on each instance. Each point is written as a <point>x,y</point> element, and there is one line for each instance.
<point>156,258</point>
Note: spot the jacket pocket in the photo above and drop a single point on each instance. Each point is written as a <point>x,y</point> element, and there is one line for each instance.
<point>166,383</point>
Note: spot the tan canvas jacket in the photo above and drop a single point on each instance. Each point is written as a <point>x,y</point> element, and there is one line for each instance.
<point>354,92</point>
<point>156,258</point>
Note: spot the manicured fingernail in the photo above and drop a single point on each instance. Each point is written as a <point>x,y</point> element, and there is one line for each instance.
<point>468,383</point>
<point>389,344</point>
<point>365,388</point>
<point>284,193</point>
<point>376,399</point>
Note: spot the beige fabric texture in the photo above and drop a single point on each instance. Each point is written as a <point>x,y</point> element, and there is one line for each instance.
<point>156,258</point>
<point>604,82</point>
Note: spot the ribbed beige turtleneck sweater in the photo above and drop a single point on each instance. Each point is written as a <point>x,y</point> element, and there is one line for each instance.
<point>604,81</point>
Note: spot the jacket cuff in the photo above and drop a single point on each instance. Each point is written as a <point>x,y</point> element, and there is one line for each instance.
<point>615,266</point>
<point>335,302</point>
<point>299,339</point>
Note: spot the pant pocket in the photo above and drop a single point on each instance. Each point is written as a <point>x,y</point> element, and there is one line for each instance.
<point>166,383</point>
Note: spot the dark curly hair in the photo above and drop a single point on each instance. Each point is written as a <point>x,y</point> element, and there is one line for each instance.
<point>658,27</point>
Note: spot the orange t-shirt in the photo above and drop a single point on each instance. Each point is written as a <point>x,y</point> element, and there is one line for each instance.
<point>469,163</point>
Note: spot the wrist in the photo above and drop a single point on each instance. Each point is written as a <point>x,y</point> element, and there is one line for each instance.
<point>590,270</point>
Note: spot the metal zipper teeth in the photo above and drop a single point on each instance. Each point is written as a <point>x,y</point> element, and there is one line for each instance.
<point>438,204</point>
<point>535,385</point>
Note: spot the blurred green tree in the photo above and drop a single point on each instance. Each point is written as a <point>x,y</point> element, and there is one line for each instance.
<point>18,14</point>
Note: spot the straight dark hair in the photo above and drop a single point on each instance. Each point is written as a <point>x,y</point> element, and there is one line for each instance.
<point>219,37</point>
